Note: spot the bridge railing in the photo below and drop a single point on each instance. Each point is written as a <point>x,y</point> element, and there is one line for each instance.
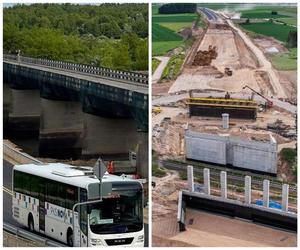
<point>88,69</point>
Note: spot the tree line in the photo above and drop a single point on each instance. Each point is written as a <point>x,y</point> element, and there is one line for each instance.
<point>174,8</point>
<point>108,35</point>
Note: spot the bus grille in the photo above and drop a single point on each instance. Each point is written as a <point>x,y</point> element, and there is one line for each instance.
<point>116,242</point>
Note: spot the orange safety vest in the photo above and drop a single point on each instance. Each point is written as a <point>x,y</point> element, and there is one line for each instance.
<point>110,167</point>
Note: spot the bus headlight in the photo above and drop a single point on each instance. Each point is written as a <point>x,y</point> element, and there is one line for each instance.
<point>140,238</point>
<point>96,242</point>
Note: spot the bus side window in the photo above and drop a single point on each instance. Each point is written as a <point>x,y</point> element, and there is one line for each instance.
<point>71,196</point>
<point>61,195</point>
<point>34,185</point>
<point>18,183</point>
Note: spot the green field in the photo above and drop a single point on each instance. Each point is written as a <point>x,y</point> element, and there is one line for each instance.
<point>286,61</point>
<point>290,21</point>
<point>278,31</point>
<point>257,14</point>
<point>160,34</point>
<point>172,69</point>
<point>174,18</point>
<point>165,28</point>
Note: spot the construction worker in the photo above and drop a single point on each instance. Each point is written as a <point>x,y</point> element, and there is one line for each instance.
<point>110,167</point>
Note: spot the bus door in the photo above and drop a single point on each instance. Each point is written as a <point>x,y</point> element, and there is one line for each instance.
<point>42,194</point>
<point>83,219</point>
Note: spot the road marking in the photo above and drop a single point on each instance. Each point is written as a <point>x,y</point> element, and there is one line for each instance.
<point>8,191</point>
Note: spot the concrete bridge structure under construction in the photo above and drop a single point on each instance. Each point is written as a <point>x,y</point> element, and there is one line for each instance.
<point>77,108</point>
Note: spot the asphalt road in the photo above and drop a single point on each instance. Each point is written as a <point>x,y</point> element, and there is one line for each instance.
<point>7,203</point>
<point>210,14</point>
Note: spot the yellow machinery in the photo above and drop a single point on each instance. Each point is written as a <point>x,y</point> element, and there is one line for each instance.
<point>156,110</point>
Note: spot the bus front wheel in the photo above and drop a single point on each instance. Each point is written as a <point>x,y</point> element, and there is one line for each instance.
<point>70,237</point>
<point>30,223</point>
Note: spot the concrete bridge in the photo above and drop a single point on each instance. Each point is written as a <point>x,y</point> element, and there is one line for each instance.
<point>77,108</point>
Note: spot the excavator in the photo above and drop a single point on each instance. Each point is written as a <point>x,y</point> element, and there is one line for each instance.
<point>268,104</point>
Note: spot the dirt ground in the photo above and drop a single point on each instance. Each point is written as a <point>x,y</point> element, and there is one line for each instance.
<point>206,229</point>
<point>161,88</point>
<point>288,79</point>
<point>232,53</point>
<point>267,45</point>
<point>209,230</point>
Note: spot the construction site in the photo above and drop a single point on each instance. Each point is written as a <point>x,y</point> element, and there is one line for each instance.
<point>228,110</point>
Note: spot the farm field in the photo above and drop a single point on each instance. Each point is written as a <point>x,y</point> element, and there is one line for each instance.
<point>286,61</point>
<point>278,31</point>
<point>165,28</point>
<point>290,21</point>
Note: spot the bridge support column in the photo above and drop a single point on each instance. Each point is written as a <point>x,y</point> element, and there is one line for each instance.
<point>24,113</point>
<point>223,184</point>
<point>190,177</point>
<point>6,104</point>
<point>285,197</point>
<point>206,177</point>
<point>266,192</point>
<point>142,155</point>
<point>108,137</point>
<point>248,189</point>
<point>60,128</point>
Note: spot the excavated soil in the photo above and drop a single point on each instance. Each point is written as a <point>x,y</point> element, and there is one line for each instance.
<point>209,230</point>
<point>288,80</point>
<point>267,43</point>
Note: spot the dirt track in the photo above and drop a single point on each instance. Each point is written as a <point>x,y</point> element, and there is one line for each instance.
<point>265,64</point>
<point>158,72</point>
<point>237,52</point>
<point>232,53</point>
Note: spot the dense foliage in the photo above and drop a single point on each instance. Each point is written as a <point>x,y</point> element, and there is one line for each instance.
<point>292,39</point>
<point>175,8</point>
<point>109,35</point>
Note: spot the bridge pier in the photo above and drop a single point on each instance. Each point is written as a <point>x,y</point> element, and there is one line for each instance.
<point>6,105</point>
<point>24,112</point>
<point>142,155</point>
<point>108,136</point>
<point>60,128</point>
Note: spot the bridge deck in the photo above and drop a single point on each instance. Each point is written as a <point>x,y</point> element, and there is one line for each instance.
<point>136,87</point>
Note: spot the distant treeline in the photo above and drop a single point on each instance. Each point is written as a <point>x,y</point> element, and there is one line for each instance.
<point>292,39</point>
<point>174,8</point>
<point>109,35</point>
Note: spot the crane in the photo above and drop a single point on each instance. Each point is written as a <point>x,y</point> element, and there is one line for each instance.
<point>269,104</point>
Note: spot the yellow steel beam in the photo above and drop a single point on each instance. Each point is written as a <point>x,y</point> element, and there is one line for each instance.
<point>221,105</point>
<point>220,100</point>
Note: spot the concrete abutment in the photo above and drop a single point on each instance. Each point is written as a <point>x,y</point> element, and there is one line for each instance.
<point>22,109</point>
<point>108,136</point>
<point>61,126</point>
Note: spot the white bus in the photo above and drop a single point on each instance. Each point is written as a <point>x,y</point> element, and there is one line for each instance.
<point>44,196</point>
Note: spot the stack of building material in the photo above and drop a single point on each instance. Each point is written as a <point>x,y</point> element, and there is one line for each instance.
<point>205,57</point>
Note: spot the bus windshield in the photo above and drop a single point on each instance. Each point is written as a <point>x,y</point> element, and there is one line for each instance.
<point>120,213</point>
